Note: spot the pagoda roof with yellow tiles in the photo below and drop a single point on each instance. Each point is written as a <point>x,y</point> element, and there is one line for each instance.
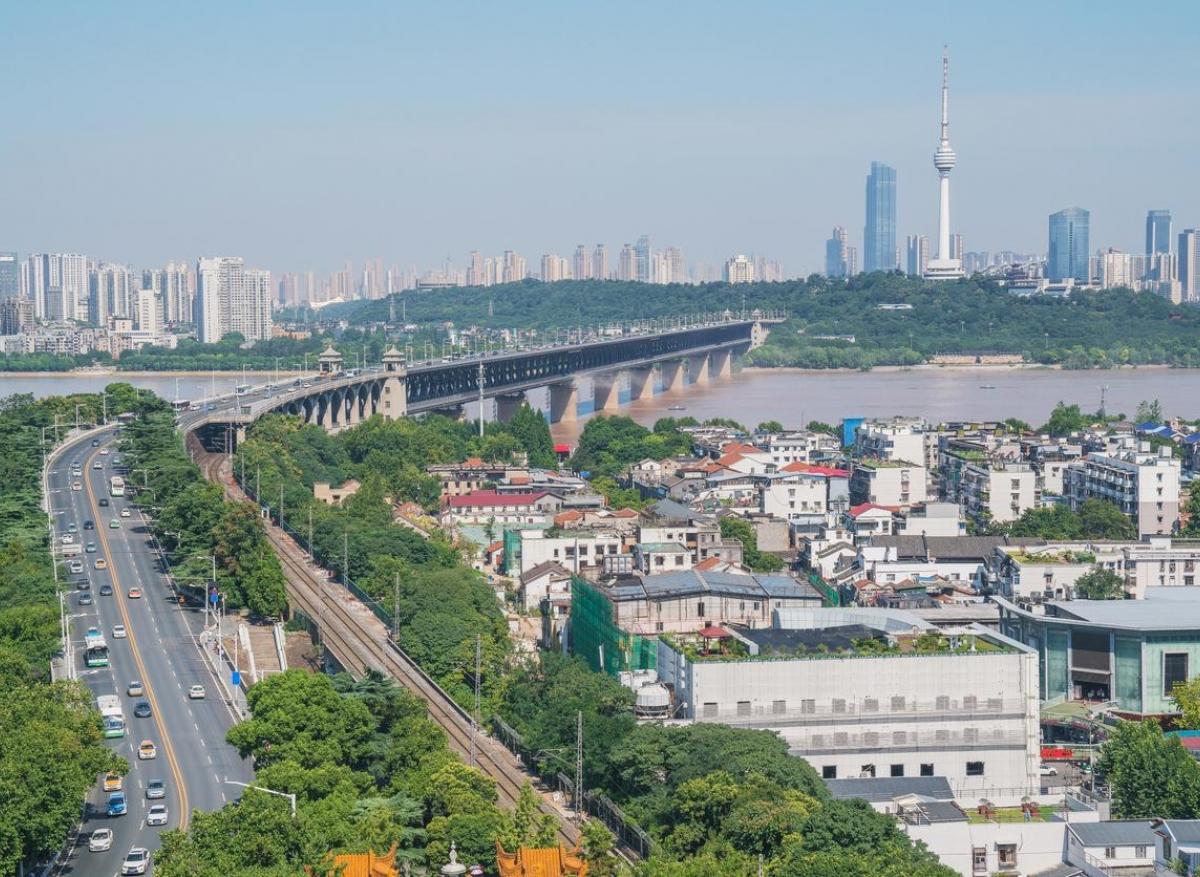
<point>540,862</point>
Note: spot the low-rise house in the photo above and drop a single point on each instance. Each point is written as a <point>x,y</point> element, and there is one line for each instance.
<point>324,492</point>
<point>1176,842</point>
<point>473,474</point>
<point>656,557</point>
<point>489,507</point>
<point>867,521</point>
<point>550,582</point>
<point>583,552</point>
<point>623,521</point>
<point>960,559</point>
<point>1119,848</point>
<point>930,519</point>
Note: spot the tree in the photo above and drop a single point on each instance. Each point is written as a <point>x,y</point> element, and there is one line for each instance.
<point>596,843</point>
<point>1100,519</point>
<point>1100,584</point>
<point>1065,419</point>
<point>1149,411</point>
<point>1192,511</point>
<point>771,426</point>
<point>1150,774</point>
<point>1186,696</point>
<point>733,527</point>
<point>530,428</point>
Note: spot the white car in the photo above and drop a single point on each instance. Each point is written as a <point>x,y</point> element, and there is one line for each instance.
<point>136,861</point>
<point>68,539</point>
<point>118,631</point>
<point>101,840</point>
<point>104,452</point>
<point>1048,770</point>
<point>157,814</point>
<point>196,692</point>
<point>76,486</point>
<point>125,513</point>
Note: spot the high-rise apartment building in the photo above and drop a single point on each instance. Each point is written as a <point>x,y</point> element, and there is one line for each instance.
<point>554,268</point>
<point>581,268</point>
<point>10,276</point>
<point>231,298</point>
<point>675,271</point>
<point>1158,232</point>
<point>643,266</point>
<point>836,263</point>
<point>1117,269</point>
<point>916,248</point>
<point>149,313</point>
<point>851,261</point>
<point>475,269</point>
<point>1069,253</point>
<point>1188,265</point>
<point>177,293</point>
<point>58,284</point>
<point>514,267</point>
<point>627,264</point>
<point>600,266</point>
<point>739,269</point>
<point>879,235</point>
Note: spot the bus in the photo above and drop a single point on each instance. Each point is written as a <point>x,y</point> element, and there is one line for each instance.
<point>181,405</point>
<point>110,711</point>
<point>95,650</point>
<point>242,389</point>
<point>116,485</point>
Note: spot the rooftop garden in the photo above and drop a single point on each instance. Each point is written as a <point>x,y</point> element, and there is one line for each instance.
<point>1052,557</point>
<point>877,463</point>
<point>695,647</point>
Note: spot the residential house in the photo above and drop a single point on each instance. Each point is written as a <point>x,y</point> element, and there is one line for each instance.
<point>888,483</point>
<point>324,492</point>
<point>549,581</point>
<point>1143,483</point>
<point>489,507</point>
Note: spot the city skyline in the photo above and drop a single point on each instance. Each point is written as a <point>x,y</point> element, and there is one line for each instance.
<point>314,134</point>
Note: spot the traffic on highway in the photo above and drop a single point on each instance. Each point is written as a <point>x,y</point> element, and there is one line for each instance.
<point>138,650</point>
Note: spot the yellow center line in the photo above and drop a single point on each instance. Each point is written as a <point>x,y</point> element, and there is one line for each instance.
<point>119,595</point>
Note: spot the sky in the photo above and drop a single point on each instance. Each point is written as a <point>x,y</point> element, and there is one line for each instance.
<point>303,134</point>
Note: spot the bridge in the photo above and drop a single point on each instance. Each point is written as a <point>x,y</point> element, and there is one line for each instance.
<point>337,399</point>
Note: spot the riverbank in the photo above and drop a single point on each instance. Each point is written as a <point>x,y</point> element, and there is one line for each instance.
<point>974,367</point>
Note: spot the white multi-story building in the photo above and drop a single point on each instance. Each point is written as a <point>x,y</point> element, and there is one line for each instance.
<point>998,491</point>
<point>149,313</point>
<point>177,293</point>
<point>231,298</point>
<point>902,438</point>
<point>967,710</point>
<point>58,285</point>
<point>580,551</point>
<point>801,446</point>
<point>1143,483</point>
<point>739,269</point>
<point>888,482</point>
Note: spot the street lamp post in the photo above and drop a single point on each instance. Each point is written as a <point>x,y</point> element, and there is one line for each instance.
<point>290,796</point>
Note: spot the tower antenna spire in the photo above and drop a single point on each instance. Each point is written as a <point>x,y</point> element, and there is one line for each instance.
<point>945,92</point>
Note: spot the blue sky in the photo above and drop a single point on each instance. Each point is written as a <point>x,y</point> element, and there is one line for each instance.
<point>301,134</point>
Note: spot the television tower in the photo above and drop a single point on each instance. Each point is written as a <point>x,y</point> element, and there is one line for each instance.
<point>944,267</point>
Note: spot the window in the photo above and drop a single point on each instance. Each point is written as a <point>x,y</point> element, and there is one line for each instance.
<point>1139,852</point>
<point>899,738</point>
<point>970,735</point>
<point>897,770</point>
<point>969,702</point>
<point>1110,852</point>
<point>839,705</point>
<point>743,707</point>
<point>1175,671</point>
<point>974,768</point>
<point>926,770</point>
<point>658,627</point>
<point>829,772</point>
<point>709,710</point>
<point>808,705</point>
<point>870,705</point>
<point>942,703</point>
<point>898,704</point>
<point>871,739</point>
<point>868,770</point>
<point>779,706</point>
<point>700,609</point>
<point>995,704</point>
<point>1006,855</point>
<point>979,863</point>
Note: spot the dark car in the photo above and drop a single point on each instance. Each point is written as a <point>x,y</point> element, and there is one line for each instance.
<point>85,599</point>
<point>95,443</point>
<point>142,710</point>
<point>104,500</point>
<point>89,525</point>
<point>83,585</point>
<point>106,590</point>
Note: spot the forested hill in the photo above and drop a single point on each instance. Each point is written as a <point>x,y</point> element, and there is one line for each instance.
<point>1089,329</point>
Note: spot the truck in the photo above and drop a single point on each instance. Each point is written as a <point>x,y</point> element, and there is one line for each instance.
<point>71,549</point>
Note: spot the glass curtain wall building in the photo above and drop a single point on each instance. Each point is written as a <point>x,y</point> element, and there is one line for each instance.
<point>879,236</point>
<point>1069,251</point>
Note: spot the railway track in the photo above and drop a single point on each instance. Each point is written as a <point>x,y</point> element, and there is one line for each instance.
<point>361,642</point>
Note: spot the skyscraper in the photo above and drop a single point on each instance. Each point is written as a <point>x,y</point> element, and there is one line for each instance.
<point>836,263</point>
<point>673,257</point>
<point>1069,253</point>
<point>475,269</point>
<point>1158,232</point>
<point>739,269</point>
<point>10,276</point>
<point>231,298</point>
<point>879,235</point>
<point>643,267</point>
<point>917,250</point>
<point>582,269</point>
<point>627,264</point>
<point>1189,265</point>
<point>600,269</point>
<point>945,266</point>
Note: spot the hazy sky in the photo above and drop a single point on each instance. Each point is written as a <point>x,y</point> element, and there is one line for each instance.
<point>300,134</point>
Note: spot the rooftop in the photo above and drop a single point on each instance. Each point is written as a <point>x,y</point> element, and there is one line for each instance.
<point>873,463</point>
<point>492,498</point>
<point>672,585</point>
<point>1174,609</point>
<point>1116,833</point>
<point>881,789</point>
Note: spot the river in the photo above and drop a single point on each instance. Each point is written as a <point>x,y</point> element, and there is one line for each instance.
<point>790,396</point>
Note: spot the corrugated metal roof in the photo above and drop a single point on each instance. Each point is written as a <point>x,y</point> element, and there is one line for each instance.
<point>1116,833</point>
<point>887,788</point>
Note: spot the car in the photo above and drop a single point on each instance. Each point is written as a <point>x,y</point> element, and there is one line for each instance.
<point>101,563</point>
<point>134,689</point>
<point>104,452</point>
<point>142,710</point>
<point>157,815</point>
<point>1047,770</point>
<point>89,525</point>
<point>90,548</point>
<point>114,524</point>
<point>100,840</point>
<point>116,461</point>
<point>125,513</point>
<point>106,590</point>
<point>135,593</point>
<point>147,750</point>
<point>197,692</point>
<point>97,465</point>
<point>116,804</point>
<point>85,599</point>
<point>135,861</point>
<point>91,631</point>
<point>75,566</point>
<point>113,782</point>
<point>119,631</point>
<point>68,539</point>
<point>103,501</point>
<point>76,485</point>
<point>156,789</point>
<point>95,443</point>
<point>83,585</point>
<point>71,528</point>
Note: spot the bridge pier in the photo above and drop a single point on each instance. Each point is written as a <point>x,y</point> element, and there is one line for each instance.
<point>698,369</point>
<point>454,412</point>
<point>672,376</point>
<point>720,364</point>
<point>507,405</point>
<point>606,390</point>
<point>564,402</point>
<point>641,383</point>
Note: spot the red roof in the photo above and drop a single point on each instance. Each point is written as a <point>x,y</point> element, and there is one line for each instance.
<point>740,448</point>
<point>562,449</point>
<point>709,563</point>
<point>491,497</point>
<point>713,632</point>
<point>810,469</point>
<point>866,507</point>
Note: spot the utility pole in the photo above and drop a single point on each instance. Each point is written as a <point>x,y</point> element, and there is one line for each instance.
<point>281,505</point>
<point>310,546</point>
<point>346,558</point>
<point>396,608</point>
<point>257,480</point>
<point>481,398</point>
<point>475,712</point>
<point>579,767</point>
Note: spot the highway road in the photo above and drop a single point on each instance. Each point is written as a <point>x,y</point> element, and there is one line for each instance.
<point>160,649</point>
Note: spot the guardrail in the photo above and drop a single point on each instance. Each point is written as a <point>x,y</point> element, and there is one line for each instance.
<point>280,645</point>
